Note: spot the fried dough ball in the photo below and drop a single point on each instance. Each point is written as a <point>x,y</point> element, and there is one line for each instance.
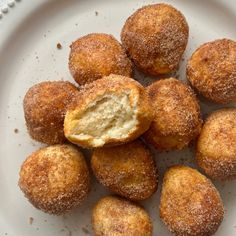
<point>55,179</point>
<point>155,37</point>
<point>113,216</point>
<point>128,170</point>
<point>45,105</point>
<point>212,70</point>
<point>96,55</point>
<point>177,118</point>
<point>216,147</point>
<point>109,111</point>
<point>190,204</point>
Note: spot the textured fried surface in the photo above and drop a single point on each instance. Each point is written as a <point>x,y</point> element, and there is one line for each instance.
<point>113,216</point>
<point>107,125</point>
<point>96,55</point>
<point>128,170</point>
<point>216,148</point>
<point>55,179</point>
<point>177,118</point>
<point>212,70</point>
<point>155,37</point>
<point>45,105</point>
<point>190,204</point>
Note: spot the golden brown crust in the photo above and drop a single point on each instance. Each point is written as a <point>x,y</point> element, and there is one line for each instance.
<point>177,118</point>
<point>190,204</point>
<point>96,55</point>
<point>111,85</point>
<point>55,179</point>
<point>216,148</point>
<point>113,216</point>
<point>45,105</point>
<point>212,70</point>
<point>155,37</point>
<point>128,170</point>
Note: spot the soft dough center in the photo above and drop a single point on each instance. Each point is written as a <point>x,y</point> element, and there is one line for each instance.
<point>109,117</point>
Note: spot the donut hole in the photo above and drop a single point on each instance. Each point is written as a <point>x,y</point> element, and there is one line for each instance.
<point>109,117</point>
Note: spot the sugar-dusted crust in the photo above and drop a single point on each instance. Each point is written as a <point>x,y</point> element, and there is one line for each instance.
<point>155,37</point>
<point>190,204</point>
<point>113,216</point>
<point>45,105</point>
<point>55,179</point>
<point>96,55</point>
<point>216,147</point>
<point>177,118</point>
<point>128,170</point>
<point>212,70</point>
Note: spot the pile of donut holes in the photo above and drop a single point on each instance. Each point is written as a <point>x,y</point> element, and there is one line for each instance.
<point>117,118</point>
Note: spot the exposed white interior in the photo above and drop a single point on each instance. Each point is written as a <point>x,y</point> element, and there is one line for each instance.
<point>109,117</point>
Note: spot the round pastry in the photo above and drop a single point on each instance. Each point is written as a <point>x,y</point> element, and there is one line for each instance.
<point>109,111</point>
<point>216,147</point>
<point>55,179</point>
<point>190,204</point>
<point>96,55</point>
<point>212,70</point>
<point>113,216</point>
<point>45,105</point>
<point>127,170</point>
<point>177,118</point>
<point>155,37</point>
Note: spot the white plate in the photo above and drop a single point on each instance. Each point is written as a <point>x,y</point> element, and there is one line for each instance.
<point>29,33</point>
